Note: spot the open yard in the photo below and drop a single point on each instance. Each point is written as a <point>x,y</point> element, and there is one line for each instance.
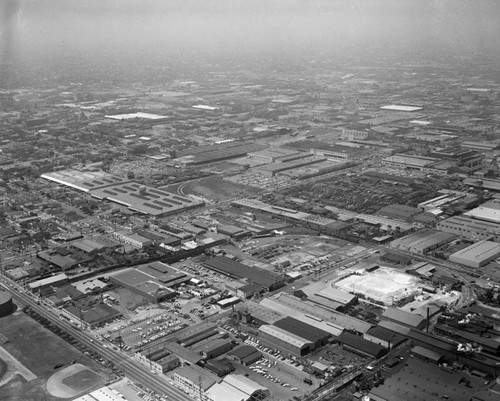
<point>217,189</point>
<point>32,353</point>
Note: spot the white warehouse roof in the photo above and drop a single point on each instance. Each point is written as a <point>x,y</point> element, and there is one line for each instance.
<point>246,385</point>
<point>223,391</point>
<point>395,107</point>
<point>478,254</point>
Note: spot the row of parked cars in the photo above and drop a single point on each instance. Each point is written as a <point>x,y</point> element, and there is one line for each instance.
<point>260,368</point>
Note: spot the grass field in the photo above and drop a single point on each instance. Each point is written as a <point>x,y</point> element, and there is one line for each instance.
<point>72,381</point>
<point>39,350</point>
<point>3,368</point>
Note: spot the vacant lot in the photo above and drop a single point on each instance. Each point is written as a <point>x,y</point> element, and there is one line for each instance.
<point>39,350</point>
<point>216,189</point>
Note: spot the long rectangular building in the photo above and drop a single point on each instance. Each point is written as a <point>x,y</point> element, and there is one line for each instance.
<point>285,340</point>
<point>316,336</point>
<point>477,255</point>
<point>231,268</point>
<point>469,227</point>
<point>422,241</point>
<point>136,197</point>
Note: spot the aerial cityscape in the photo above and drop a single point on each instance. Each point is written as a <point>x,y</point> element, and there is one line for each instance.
<point>231,200</point>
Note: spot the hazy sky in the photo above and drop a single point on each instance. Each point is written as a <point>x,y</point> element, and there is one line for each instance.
<point>88,28</point>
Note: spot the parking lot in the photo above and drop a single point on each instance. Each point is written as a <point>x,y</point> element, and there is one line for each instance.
<point>278,370</point>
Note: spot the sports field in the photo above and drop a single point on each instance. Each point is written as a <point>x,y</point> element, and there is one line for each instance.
<point>31,354</point>
<point>73,380</point>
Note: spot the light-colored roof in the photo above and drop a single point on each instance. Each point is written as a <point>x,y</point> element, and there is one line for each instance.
<point>284,335</point>
<point>395,107</point>
<point>246,385</point>
<point>321,318</point>
<point>482,250</point>
<point>197,376</point>
<point>411,160</point>
<point>489,211</point>
<point>336,295</point>
<point>141,115</point>
<point>223,391</point>
<point>47,281</point>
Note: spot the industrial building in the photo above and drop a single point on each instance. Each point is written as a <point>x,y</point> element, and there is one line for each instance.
<point>336,295</point>
<point>236,387</point>
<point>214,153</point>
<point>245,354</point>
<point>403,108</point>
<point>56,280</point>
<point>158,359</point>
<point>426,381</point>
<point>295,335</point>
<point>223,391</point>
<point>133,239</point>
<point>231,268</point>
<point>90,315</point>
<point>253,390</point>
<point>152,281</point>
<point>351,134</point>
<point>441,201</point>
<point>360,346</point>
<point>477,255</point>
<point>316,336</point>
<point>285,340</point>
<point>471,228</point>
<point>422,241</point>
<point>410,162</point>
<point>136,197</point>
<point>404,318</point>
<point>324,319</point>
<point>275,155</point>
<point>195,381</point>
<point>384,337</point>
<point>196,333</point>
<point>213,348</point>
<point>102,394</point>
<point>426,354</point>
<point>270,170</point>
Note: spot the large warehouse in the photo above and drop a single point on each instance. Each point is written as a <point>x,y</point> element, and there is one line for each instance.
<point>316,336</point>
<point>422,241</point>
<point>152,281</point>
<point>231,268</point>
<point>136,197</point>
<point>285,340</point>
<point>477,255</point>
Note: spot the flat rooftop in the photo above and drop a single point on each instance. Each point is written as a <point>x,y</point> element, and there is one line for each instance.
<point>83,180</point>
<point>479,251</point>
<point>138,115</point>
<point>396,107</point>
<point>144,199</point>
<point>420,381</point>
<point>489,211</point>
<point>136,197</point>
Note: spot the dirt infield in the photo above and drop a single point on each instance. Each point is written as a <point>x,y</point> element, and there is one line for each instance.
<point>73,380</point>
